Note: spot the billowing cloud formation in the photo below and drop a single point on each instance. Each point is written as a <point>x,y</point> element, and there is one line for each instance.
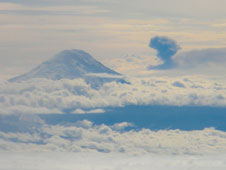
<point>166,48</point>
<point>28,141</point>
<point>75,96</point>
<point>84,136</point>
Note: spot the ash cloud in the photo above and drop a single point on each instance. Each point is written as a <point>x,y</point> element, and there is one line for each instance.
<point>202,59</point>
<point>166,48</point>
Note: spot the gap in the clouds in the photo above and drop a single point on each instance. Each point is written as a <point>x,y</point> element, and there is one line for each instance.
<point>152,117</point>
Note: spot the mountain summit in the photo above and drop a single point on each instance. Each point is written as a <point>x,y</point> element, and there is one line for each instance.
<point>72,64</point>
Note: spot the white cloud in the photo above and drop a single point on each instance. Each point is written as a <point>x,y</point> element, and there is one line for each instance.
<point>94,161</point>
<point>121,126</point>
<point>83,136</point>
<point>80,111</point>
<point>66,146</point>
<point>47,96</point>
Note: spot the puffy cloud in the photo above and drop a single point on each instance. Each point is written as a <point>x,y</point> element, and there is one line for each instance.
<point>121,126</point>
<point>84,136</point>
<point>166,48</point>
<point>42,96</point>
<point>178,84</point>
<point>20,123</point>
<point>80,111</point>
<point>33,141</point>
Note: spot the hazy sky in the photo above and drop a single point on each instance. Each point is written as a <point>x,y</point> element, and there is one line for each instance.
<point>171,52</point>
<point>35,30</point>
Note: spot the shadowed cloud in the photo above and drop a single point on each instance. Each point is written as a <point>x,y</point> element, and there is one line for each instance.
<point>166,48</point>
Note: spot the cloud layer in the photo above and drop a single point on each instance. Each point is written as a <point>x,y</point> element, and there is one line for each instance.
<point>94,161</point>
<point>201,58</point>
<point>48,96</point>
<point>83,136</point>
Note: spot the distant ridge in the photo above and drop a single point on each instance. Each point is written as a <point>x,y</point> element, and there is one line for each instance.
<point>72,64</point>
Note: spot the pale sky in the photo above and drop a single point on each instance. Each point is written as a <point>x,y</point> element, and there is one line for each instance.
<point>172,53</point>
<point>35,30</point>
